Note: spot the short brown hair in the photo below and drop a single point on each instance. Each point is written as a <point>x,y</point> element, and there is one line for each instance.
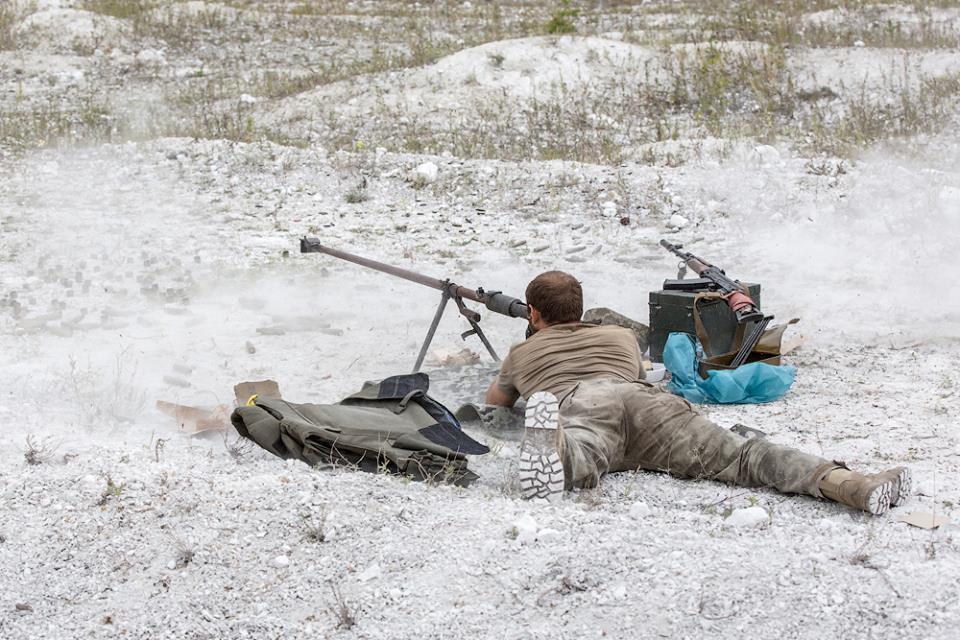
<point>557,296</point>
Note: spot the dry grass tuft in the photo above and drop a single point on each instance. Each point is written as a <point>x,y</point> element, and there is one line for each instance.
<point>39,451</point>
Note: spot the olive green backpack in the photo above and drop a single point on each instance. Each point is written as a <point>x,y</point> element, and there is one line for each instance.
<point>390,426</point>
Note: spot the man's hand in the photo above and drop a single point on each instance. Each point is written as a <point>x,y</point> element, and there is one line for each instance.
<point>497,396</point>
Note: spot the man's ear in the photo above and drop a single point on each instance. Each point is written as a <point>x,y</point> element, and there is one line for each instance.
<point>535,317</point>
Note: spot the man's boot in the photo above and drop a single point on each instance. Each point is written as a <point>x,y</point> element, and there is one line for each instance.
<point>541,455</point>
<point>902,481</point>
<point>868,493</point>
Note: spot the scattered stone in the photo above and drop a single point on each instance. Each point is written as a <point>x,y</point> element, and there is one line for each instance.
<point>23,606</point>
<point>746,518</point>
<point>545,535</point>
<point>426,173</point>
<point>151,57</point>
<point>275,330</point>
<point>765,154</point>
<point>372,572</point>
<point>677,221</point>
<point>524,529</point>
<point>250,348</point>
<point>924,488</point>
<point>176,382</point>
<point>640,510</point>
<point>281,561</point>
<point>540,247</point>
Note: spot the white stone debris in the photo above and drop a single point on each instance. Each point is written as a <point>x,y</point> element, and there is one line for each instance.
<point>373,572</point>
<point>765,154</point>
<point>427,173</point>
<point>746,518</point>
<point>524,529</point>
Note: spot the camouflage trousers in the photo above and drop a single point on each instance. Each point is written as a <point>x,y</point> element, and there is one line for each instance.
<point>610,425</point>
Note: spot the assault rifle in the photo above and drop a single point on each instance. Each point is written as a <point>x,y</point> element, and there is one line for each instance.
<point>493,300</point>
<point>715,279</point>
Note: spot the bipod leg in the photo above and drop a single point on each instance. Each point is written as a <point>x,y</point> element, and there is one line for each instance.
<point>474,319</point>
<point>432,330</point>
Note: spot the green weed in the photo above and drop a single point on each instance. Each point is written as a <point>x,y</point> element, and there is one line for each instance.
<point>562,20</point>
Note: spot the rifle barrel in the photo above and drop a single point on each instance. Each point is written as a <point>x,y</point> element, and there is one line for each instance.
<point>494,301</point>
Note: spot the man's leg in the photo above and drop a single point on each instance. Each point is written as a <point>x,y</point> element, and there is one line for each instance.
<point>666,434</point>
<point>592,418</point>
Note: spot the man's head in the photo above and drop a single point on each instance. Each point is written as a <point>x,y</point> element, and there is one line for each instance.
<point>556,297</point>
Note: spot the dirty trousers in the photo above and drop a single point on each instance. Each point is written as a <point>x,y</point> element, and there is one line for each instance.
<point>610,425</point>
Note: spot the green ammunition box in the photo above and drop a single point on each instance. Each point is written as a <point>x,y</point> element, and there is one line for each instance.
<point>673,311</point>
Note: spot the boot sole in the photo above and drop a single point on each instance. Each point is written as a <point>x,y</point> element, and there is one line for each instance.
<point>541,464</point>
<point>878,502</point>
<point>903,487</point>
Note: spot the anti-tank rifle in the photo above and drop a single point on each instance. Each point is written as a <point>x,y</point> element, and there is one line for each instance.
<point>493,300</point>
<point>742,305</point>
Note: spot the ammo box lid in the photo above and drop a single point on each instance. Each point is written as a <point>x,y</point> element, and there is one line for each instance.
<point>685,298</point>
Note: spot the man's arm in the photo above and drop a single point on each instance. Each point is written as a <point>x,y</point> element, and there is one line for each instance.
<point>496,395</point>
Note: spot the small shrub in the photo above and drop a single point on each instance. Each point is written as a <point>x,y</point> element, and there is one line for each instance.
<point>123,9</point>
<point>341,609</point>
<point>562,20</point>
<point>356,196</point>
<point>239,449</point>
<point>7,18</point>
<point>111,491</point>
<point>315,528</point>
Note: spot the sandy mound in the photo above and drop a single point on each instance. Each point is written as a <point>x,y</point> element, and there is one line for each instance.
<point>908,18</point>
<point>867,68</point>
<point>509,70</point>
<point>70,30</point>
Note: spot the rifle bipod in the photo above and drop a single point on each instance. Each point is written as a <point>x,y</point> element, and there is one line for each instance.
<point>472,317</point>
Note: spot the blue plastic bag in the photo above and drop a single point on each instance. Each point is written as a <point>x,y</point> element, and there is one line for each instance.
<point>751,383</point>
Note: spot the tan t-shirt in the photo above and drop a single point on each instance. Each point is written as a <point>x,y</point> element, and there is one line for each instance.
<point>555,359</point>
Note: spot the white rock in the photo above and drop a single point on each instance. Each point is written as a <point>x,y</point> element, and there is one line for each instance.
<point>859,43</point>
<point>151,56</point>
<point>370,573</point>
<point>609,209</point>
<point>525,528</point>
<point>546,534</point>
<point>677,221</point>
<point>246,98</point>
<point>924,488</point>
<point>950,199</point>
<point>427,172</point>
<point>640,510</point>
<point>765,154</point>
<point>746,518</point>
<point>281,561</point>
